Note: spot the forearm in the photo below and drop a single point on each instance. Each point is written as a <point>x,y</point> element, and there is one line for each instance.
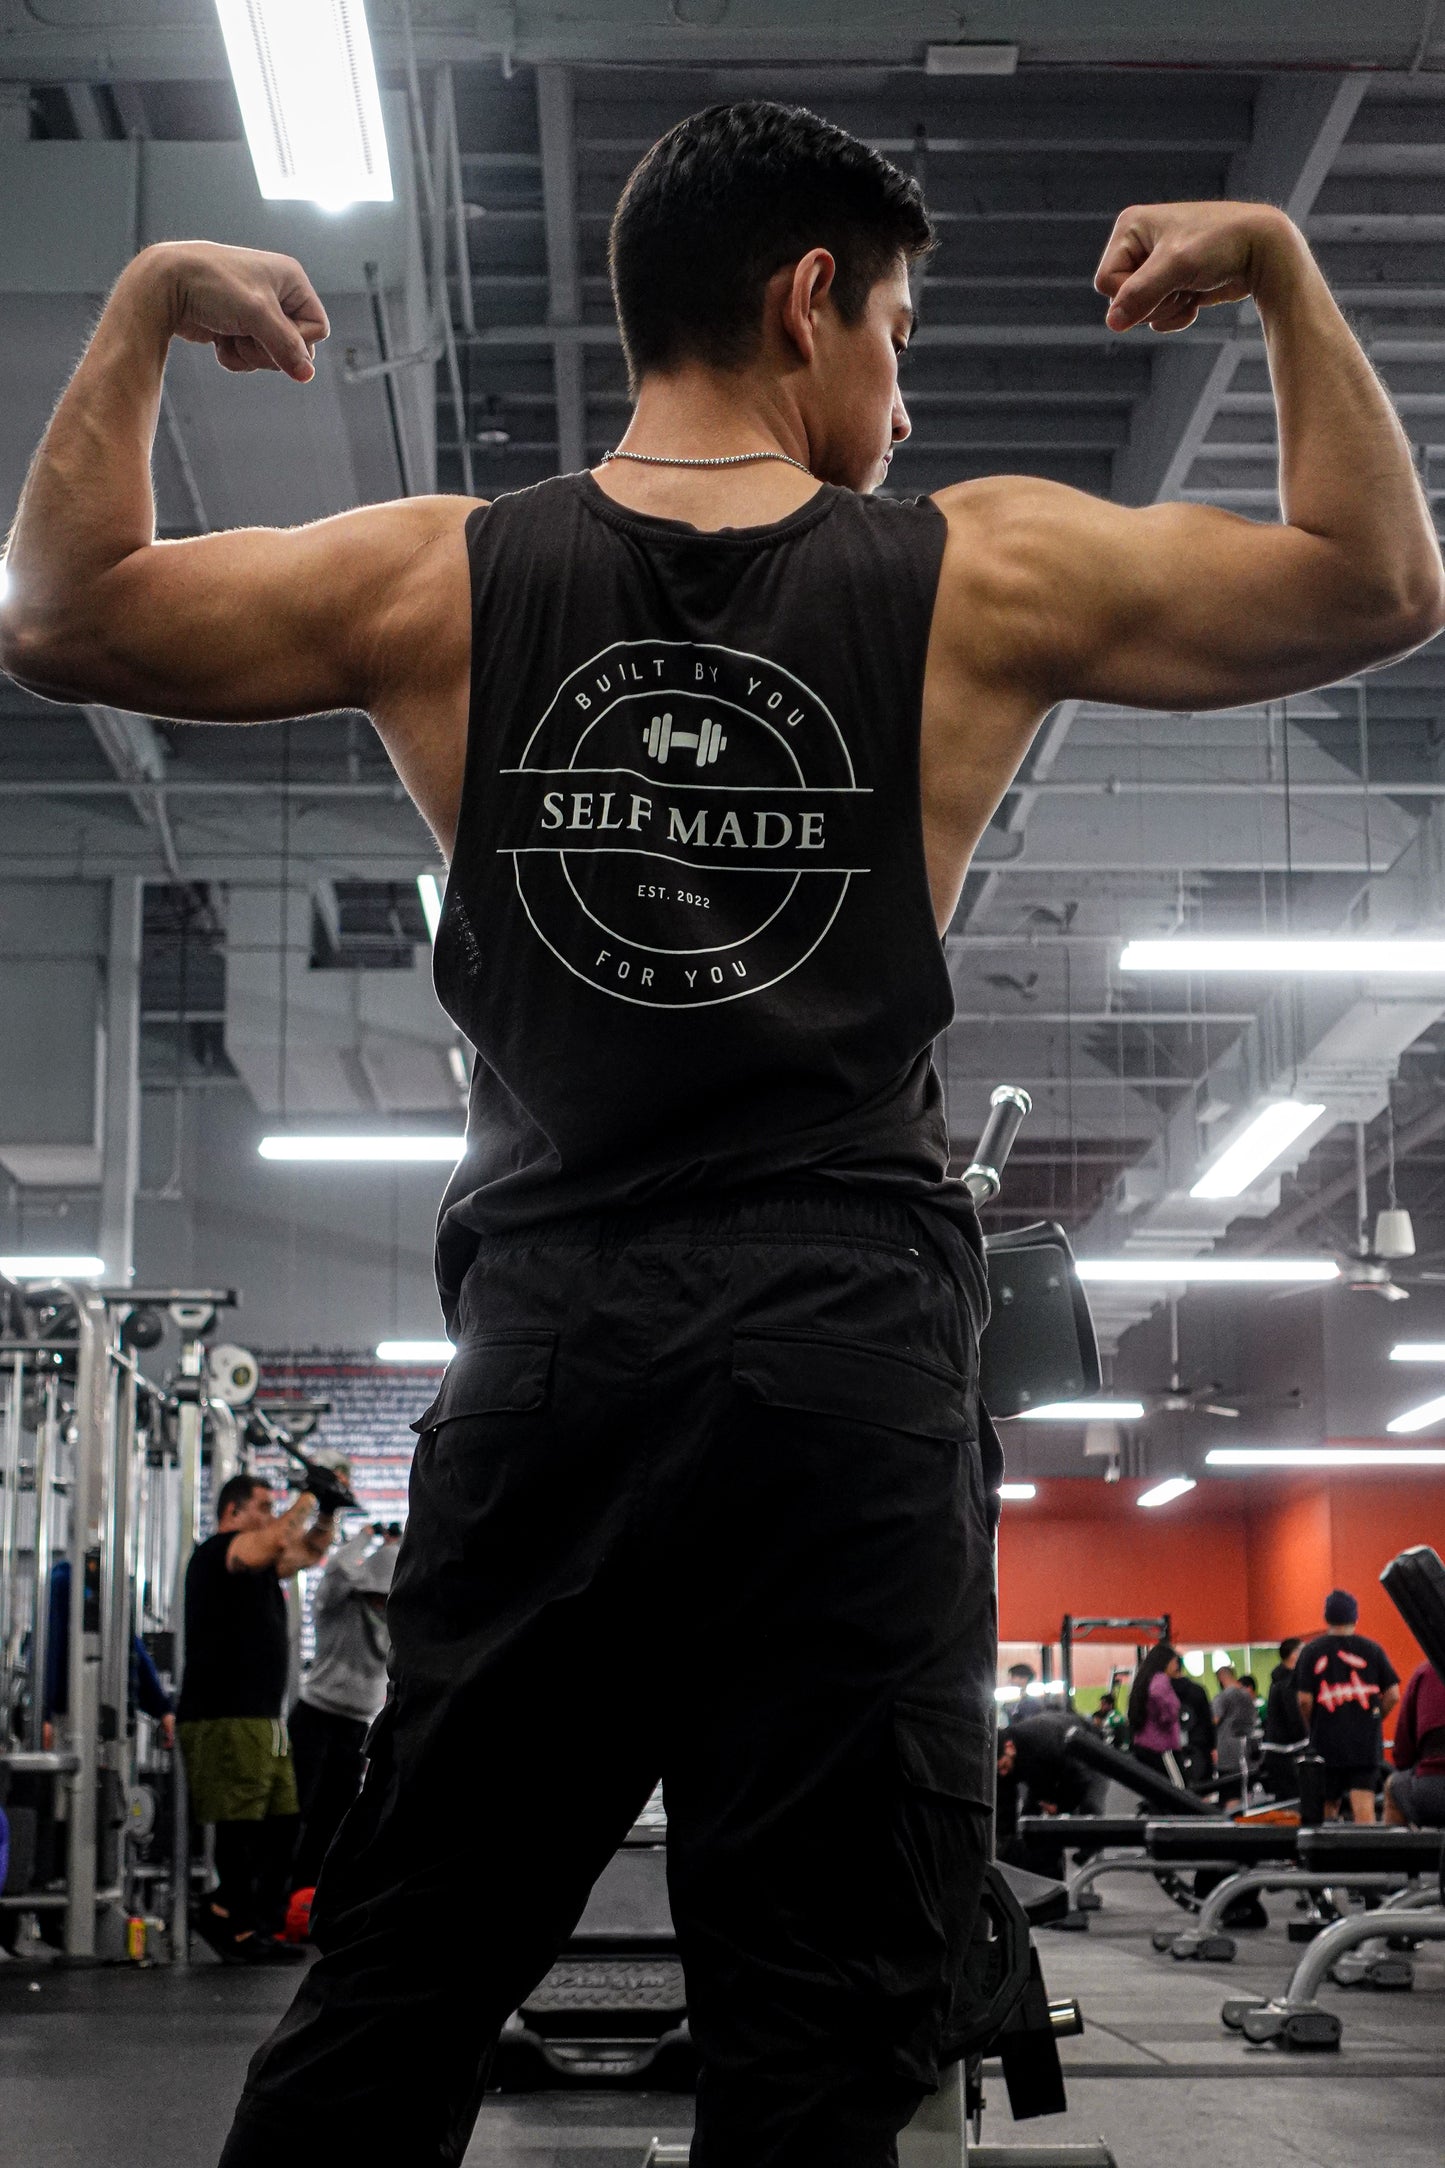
<point>88,502</point>
<point>1346,474</point>
<point>307,1547</point>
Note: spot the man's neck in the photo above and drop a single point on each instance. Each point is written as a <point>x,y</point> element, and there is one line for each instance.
<point>701,414</point>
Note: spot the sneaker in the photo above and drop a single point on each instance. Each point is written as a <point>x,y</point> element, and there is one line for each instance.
<point>263,1950</point>
<point>215,1931</point>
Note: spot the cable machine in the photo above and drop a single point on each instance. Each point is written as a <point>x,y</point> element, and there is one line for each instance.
<point>1079,1629</point>
<point>100,1496</point>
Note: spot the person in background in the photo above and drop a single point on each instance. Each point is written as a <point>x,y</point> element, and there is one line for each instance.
<point>1105,1716</point>
<point>1346,1685</point>
<point>233,1736</point>
<point>1236,1725</point>
<point>1196,1730</point>
<point>1154,1712</point>
<point>145,1691</point>
<point>1284,1727</point>
<point>1283,1723</point>
<point>1037,1776</point>
<point>342,1692</point>
<point>1415,1792</point>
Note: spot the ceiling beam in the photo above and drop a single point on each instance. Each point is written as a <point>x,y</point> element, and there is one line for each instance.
<point>556,123</point>
<point>134,749</point>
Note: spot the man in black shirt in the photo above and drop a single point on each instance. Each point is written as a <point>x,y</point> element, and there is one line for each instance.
<point>1284,1726</point>
<point>1346,1685</point>
<point>233,1737</point>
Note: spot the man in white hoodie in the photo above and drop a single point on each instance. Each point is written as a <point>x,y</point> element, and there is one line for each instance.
<point>342,1692</point>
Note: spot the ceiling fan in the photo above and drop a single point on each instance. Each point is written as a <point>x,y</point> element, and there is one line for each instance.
<point>1208,1397</point>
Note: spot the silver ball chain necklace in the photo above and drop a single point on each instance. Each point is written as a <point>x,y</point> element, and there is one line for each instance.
<point>726,459</point>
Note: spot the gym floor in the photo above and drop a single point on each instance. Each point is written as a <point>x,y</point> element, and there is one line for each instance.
<point>139,2070</point>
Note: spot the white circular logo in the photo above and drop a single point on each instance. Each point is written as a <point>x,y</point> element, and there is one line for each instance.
<point>684,823</point>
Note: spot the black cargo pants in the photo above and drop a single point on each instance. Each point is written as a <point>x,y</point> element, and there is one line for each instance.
<point>701,1498</point>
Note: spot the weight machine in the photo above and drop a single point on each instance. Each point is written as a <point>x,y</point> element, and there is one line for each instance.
<point>1075,1630</point>
<point>100,1470</point>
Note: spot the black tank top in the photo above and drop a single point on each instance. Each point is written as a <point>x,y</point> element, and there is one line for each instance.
<point>688,927</point>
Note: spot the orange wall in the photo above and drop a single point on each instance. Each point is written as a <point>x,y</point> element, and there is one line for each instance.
<point>1290,1553</point>
<point>1086,1547</point>
<point>1248,1559</point>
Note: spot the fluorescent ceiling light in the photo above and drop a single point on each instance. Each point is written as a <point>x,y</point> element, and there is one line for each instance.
<point>1219,1659</point>
<point>1194,1663</point>
<point>1344,957</point>
<point>1326,1456</point>
<point>1038,1689</point>
<point>52,1268</point>
<point>1085,1411</point>
<point>431,902</point>
<point>970,59</point>
<point>1019,1491</point>
<point>305,77</point>
<point>1163,1494</point>
<point>414,1351</point>
<point>449,1149</point>
<point>1427,1414</point>
<point>1418,1351</point>
<point>1202,1271</point>
<point>1273,1129</point>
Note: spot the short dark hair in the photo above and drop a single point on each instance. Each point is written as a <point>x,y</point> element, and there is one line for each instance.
<point>1287,1647</point>
<point>1341,1609</point>
<point>724,200</point>
<point>238,1490</point>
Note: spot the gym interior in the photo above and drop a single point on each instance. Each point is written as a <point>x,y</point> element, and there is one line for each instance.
<point>230,1099</point>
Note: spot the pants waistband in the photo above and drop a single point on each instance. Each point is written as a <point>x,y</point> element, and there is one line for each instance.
<point>842,1212</point>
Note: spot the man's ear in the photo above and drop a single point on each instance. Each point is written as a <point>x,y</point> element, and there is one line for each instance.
<point>804,294</point>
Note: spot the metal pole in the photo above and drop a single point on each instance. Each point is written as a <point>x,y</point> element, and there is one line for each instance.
<point>87,1503</point>
<point>9,1532</point>
<point>47,1439</point>
<point>120,1169</point>
<point>118,1596</point>
<point>188,1427</point>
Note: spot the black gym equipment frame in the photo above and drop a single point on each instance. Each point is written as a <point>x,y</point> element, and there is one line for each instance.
<point>1079,1629</point>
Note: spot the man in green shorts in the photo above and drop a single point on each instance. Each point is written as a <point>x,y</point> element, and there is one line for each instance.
<point>233,1733</point>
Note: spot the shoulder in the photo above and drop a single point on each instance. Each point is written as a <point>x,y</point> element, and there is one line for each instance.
<point>1016,550</point>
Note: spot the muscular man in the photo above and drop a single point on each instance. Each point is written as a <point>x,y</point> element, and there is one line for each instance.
<point>706,1492</point>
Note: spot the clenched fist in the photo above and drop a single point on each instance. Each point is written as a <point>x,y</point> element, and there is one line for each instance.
<point>258,311</point>
<point>1167,261</point>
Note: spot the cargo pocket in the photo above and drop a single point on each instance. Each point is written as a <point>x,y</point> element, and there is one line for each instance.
<point>509,1373</point>
<point>854,1380</point>
<point>948,1755</point>
<point>945,1776</point>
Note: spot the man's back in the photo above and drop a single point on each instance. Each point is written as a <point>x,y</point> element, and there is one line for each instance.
<point>1347,1674</point>
<point>691,816</point>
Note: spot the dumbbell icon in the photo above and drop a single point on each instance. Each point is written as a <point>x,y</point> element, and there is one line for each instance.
<point>704,743</point>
